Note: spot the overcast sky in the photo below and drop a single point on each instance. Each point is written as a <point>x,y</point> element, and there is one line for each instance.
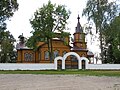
<point>19,23</point>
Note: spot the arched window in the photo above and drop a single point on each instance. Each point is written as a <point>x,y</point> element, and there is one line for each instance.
<point>81,36</point>
<point>56,53</point>
<point>28,56</point>
<point>39,55</point>
<point>46,55</point>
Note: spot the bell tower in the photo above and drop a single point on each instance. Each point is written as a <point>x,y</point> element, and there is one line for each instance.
<point>79,44</point>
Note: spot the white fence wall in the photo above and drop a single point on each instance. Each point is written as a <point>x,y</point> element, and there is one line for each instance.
<point>23,66</point>
<point>103,66</point>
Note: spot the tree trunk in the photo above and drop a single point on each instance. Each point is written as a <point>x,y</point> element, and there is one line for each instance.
<point>48,42</point>
<point>101,46</point>
<point>51,51</point>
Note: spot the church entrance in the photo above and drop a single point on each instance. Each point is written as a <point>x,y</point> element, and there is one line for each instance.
<point>68,63</point>
<point>71,62</point>
<point>83,64</point>
<point>74,62</point>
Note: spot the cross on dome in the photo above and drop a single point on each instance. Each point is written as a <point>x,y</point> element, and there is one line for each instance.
<point>78,17</point>
<point>79,27</point>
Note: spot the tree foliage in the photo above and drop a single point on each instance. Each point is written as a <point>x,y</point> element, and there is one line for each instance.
<point>100,12</point>
<point>7,9</point>
<point>7,53</point>
<point>47,20</point>
<point>112,41</point>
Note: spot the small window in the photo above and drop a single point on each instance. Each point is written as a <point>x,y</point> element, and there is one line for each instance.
<point>30,56</point>
<point>26,56</point>
<point>81,45</point>
<point>46,55</point>
<point>56,53</point>
<point>81,37</point>
<point>39,56</point>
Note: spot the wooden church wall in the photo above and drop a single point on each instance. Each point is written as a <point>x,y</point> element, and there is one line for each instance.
<point>26,56</point>
<point>57,46</point>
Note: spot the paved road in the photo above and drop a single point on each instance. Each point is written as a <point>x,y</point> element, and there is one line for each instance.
<point>57,82</point>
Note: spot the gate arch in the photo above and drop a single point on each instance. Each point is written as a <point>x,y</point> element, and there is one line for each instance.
<point>68,54</point>
<point>86,61</point>
<point>56,59</point>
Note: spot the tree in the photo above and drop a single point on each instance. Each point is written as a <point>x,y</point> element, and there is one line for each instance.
<point>7,9</point>
<point>7,45</point>
<point>46,21</point>
<point>112,41</point>
<point>100,12</point>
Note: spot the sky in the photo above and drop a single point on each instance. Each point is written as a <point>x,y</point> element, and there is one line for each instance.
<point>19,23</point>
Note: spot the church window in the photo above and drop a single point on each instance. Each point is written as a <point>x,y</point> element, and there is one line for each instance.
<point>81,45</point>
<point>80,36</point>
<point>56,53</point>
<point>46,55</point>
<point>28,56</point>
<point>39,56</point>
<point>31,57</point>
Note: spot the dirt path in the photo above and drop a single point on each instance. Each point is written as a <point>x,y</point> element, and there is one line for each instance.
<point>57,82</point>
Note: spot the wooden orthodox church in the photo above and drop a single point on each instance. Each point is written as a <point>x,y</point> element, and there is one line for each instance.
<point>41,55</point>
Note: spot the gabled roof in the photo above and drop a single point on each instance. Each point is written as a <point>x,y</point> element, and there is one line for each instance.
<point>53,40</point>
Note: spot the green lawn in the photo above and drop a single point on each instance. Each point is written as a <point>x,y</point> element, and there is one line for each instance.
<point>66,72</point>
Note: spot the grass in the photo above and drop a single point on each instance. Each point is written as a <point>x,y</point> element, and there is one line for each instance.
<point>65,72</point>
